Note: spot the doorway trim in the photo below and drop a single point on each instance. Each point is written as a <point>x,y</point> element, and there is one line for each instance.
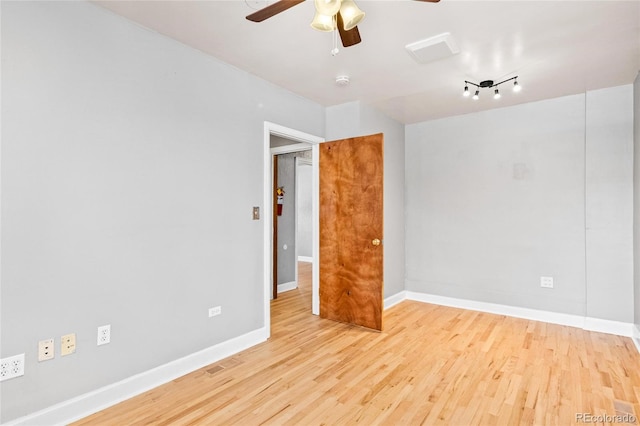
<point>267,216</point>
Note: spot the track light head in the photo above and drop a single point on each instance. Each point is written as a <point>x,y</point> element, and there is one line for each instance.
<point>476,95</point>
<point>516,86</point>
<point>496,94</point>
<point>466,91</point>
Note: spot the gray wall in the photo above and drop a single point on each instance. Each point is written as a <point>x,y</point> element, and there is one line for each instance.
<point>609,203</point>
<point>117,205</point>
<point>287,221</point>
<point>497,199</point>
<point>636,199</point>
<point>357,119</point>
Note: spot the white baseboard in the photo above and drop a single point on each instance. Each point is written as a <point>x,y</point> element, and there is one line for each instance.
<point>586,323</point>
<point>636,336</point>
<point>305,259</point>
<point>494,308</point>
<point>92,402</point>
<point>609,327</point>
<point>395,299</point>
<point>287,286</point>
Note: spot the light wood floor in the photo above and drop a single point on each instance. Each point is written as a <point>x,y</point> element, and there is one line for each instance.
<point>430,365</point>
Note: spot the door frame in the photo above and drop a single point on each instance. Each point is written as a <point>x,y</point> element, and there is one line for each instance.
<point>267,219</point>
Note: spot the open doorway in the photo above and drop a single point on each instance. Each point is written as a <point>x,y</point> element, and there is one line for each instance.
<point>296,137</point>
<point>292,217</point>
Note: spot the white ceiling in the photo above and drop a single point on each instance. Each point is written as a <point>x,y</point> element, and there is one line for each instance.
<point>556,48</point>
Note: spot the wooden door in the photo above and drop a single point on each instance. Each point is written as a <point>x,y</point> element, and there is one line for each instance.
<point>351,286</point>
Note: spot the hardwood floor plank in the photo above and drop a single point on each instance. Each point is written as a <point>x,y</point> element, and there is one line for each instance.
<point>431,365</point>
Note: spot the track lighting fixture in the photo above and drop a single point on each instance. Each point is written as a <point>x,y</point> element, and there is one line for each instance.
<point>489,84</point>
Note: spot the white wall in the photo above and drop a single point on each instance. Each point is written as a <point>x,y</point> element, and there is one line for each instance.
<point>118,206</point>
<point>304,209</point>
<point>497,199</point>
<point>356,119</point>
<point>636,200</point>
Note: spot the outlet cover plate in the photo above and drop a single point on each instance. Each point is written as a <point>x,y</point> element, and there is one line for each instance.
<point>215,311</point>
<point>67,344</point>
<point>546,282</point>
<point>104,334</point>
<point>46,351</point>
<point>11,367</point>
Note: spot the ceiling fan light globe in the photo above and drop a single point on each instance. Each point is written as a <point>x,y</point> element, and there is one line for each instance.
<point>327,7</point>
<point>351,14</point>
<point>322,22</point>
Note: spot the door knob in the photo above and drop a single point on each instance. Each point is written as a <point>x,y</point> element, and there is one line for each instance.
<point>375,242</point>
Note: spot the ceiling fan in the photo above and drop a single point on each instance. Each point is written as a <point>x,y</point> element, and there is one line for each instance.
<point>330,14</point>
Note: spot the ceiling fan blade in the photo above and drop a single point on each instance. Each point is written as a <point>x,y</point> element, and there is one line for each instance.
<point>349,38</point>
<point>272,9</point>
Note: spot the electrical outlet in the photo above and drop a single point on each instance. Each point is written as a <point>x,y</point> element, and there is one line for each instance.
<point>215,311</point>
<point>104,334</point>
<point>546,282</point>
<point>11,367</point>
<point>67,344</point>
<point>46,351</point>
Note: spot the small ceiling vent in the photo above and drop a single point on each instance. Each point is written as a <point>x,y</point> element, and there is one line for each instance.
<point>433,48</point>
